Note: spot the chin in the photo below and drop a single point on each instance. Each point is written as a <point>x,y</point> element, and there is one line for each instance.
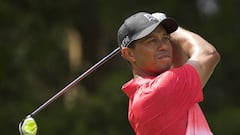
<point>165,68</point>
<point>162,69</point>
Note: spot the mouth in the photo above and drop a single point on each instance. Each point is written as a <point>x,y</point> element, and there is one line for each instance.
<point>164,56</point>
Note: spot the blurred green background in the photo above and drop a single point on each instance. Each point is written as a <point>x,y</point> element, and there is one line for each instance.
<point>45,44</point>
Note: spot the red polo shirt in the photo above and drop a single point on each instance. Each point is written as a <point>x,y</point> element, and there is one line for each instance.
<point>160,105</point>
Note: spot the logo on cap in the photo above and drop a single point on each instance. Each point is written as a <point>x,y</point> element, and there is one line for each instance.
<point>125,41</point>
<point>151,18</point>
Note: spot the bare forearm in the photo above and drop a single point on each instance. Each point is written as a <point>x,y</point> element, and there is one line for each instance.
<point>185,43</point>
<point>191,48</point>
<point>181,41</point>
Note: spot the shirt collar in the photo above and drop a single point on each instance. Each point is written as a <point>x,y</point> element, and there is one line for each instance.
<point>131,86</point>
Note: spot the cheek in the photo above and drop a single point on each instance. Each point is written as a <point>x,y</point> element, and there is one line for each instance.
<point>171,51</point>
<point>143,60</point>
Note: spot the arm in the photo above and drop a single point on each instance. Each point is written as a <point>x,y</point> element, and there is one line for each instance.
<point>192,49</point>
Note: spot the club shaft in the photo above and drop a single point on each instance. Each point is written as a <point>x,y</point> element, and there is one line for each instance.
<point>76,81</point>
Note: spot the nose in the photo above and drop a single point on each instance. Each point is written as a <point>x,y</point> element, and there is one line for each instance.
<point>164,43</point>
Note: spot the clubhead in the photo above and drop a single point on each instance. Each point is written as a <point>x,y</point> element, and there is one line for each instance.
<point>28,126</point>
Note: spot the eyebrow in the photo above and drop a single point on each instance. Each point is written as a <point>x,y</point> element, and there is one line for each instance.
<point>147,37</point>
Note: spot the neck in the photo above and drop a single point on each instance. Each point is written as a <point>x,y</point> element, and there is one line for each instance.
<point>144,74</point>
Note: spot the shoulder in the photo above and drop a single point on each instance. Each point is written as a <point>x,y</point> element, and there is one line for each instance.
<point>183,75</point>
<point>186,69</point>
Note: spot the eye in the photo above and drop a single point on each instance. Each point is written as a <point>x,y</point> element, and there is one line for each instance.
<point>153,40</point>
<point>166,38</point>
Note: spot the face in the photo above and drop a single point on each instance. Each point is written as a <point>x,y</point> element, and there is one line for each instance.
<point>152,54</point>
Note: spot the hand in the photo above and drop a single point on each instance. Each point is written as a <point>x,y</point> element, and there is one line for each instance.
<point>179,56</point>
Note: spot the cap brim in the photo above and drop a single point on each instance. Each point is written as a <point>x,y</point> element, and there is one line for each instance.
<point>170,25</point>
<point>146,31</point>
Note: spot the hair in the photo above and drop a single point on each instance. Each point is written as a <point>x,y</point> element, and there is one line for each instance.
<point>132,45</point>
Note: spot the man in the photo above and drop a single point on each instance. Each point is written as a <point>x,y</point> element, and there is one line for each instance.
<point>170,67</point>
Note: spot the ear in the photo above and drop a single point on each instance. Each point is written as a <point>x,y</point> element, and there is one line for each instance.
<point>128,54</point>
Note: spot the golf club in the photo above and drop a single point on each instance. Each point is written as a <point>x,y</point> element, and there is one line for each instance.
<point>28,125</point>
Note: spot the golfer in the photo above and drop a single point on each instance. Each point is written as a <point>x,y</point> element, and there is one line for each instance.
<point>170,67</point>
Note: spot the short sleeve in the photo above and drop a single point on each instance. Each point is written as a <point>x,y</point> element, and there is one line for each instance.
<point>179,88</point>
<point>161,104</point>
